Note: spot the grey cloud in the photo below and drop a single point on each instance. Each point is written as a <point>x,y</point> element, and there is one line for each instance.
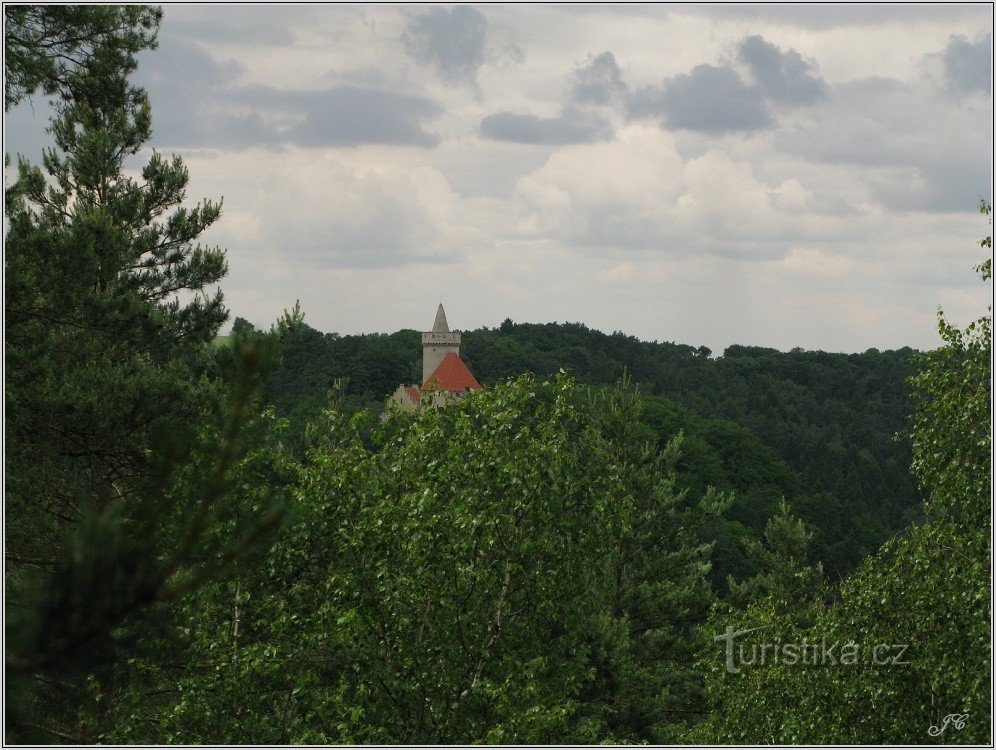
<point>784,76</point>
<point>507,56</point>
<point>183,64</point>
<point>216,128</point>
<point>709,99</point>
<point>599,81</point>
<point>634,10</point>
<point>388,230</point>
<point>608,225</point>
<point>935,186</point>
<point>259,25</point>
<point>219,113</point>
<point>189,91</point>
<point>25,130</point>
<point>216,30</point>
<point>387,243</point>
<point>646,102</point>
<point>716,99</point>
<point>915,153</point>
<point>490,169</point>
<point>570,126</point>
<point>180,78</point>
<point>840,15</point>
<point>346,115</point>
<point>198,102</point>
<point>450,41</point>
<point>968,66</point>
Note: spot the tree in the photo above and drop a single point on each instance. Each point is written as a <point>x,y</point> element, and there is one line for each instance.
<point>785,575</point>
<point>106,307</point>
<point>487,572</point>
<point>121,444</point>
<point>48,48</point>
<point>647,685</point>
<point>917,612</point>
<point>951,427</point>
<point>747,699</point>
<point>242,328</point>
<point>799,425</point>
<point>115,588</point>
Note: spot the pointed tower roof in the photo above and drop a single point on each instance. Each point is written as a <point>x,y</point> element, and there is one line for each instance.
<point>440,325</point>
<point>453,375</point>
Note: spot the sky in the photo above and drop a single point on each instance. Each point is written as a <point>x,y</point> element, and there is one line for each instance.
<point>785,176</point>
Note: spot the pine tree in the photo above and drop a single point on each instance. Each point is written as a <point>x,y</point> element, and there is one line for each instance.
<point>647,684</point>
<point>45,46</point>
<point>120,443</point>
<point>105,342</point>
<point>784,575</point>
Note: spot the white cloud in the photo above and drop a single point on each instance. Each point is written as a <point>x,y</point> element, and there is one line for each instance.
<point>814,263</point>
<point>637,193</point>
<point>620,272</point>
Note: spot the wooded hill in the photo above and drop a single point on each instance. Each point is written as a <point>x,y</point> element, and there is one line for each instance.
<point>823,430</point>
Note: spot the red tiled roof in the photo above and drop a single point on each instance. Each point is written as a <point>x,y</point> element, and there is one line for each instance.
<point>415,393</point>
<point>453,375</point>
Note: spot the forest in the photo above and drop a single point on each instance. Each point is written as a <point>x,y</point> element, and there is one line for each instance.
<point>821,430</point>
<point>218,540</point>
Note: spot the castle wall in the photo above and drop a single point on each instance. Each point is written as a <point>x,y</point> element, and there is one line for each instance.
<point>403,398</point>
<point>435,346</point>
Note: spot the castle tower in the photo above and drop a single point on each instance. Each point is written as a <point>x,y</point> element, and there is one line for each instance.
<point>437,343</point>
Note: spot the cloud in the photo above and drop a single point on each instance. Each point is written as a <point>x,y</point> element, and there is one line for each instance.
<point>838,15</point>
<point>968,66</point>
<point>449,41</point>
<point>897,137</point>
<point>717,99</point>
<point>180,64</point>
<point>709,99</point>
<point>223,113</point>
<point>309,213</point>
<point>621,272</point>
<point>636,196</point>
<point>369,219</point>
<point>231,31</point>
<point>843,207</point>
<point>346,116</point>
<point>599,81</point>
<point>784,76</point>
<point>572,125</point>
<point>388,217</point>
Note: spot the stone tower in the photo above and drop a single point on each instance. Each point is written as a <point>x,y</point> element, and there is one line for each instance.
<point>437,343</point>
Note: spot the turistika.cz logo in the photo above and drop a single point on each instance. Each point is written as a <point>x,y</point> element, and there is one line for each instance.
<point>805,652</point>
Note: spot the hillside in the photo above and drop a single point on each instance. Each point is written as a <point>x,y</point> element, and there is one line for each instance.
<point>814,427</point>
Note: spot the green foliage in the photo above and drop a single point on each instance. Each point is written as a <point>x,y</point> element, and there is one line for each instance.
<point>116,505</point>
<point>51,48</point>
<point>784,575</point>
<point>951,426</point>
<point>924,600</point>
<point>659,590</point>
<point>108,589</point>
<point>100,348</point>
<point>813,427</point>
<point>516,567</point>
<point>921,601</point>
<point>100,360</point>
